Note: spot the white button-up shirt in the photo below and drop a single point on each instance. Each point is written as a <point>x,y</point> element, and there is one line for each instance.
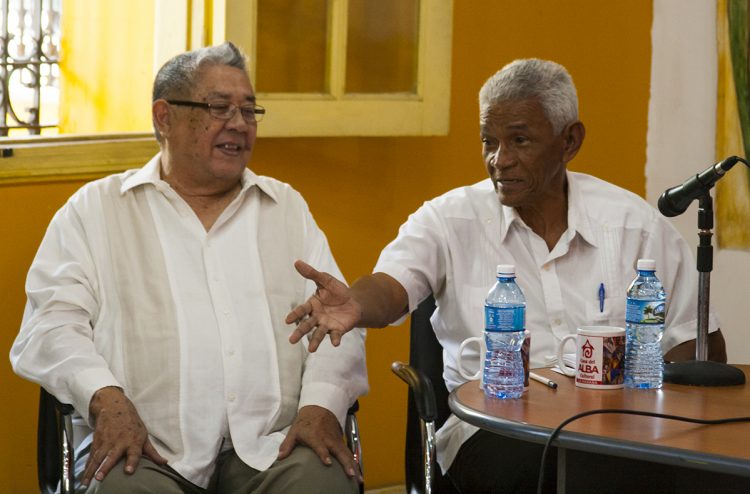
<point>128,289</point>
<point>450,247</point>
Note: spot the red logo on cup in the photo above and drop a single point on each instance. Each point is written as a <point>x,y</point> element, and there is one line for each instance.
<point>588,349</point>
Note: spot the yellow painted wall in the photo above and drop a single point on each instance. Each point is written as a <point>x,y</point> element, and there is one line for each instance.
<point>361,189</point>
<point>106,66</point>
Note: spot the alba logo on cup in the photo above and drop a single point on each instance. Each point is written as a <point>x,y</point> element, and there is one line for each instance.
<point>600,357</point>
<point>587,349</point>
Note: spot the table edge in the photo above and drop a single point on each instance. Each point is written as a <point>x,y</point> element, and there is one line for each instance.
<point>600,445</point>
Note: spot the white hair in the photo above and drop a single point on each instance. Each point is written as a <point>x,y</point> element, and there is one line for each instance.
<point>548,82</point>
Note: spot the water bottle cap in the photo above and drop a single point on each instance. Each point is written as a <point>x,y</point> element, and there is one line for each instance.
<point>646,265</point>
<point>506,269</point>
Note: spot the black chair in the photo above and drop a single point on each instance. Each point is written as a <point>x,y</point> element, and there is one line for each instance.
<point>353,442</point>
<point>54,453</point>
<point>427,408</point>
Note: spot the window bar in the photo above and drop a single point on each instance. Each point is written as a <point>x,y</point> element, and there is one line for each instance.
<point>28,57</point>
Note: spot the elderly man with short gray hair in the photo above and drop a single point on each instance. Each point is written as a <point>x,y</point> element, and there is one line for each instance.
<point>565,232</point>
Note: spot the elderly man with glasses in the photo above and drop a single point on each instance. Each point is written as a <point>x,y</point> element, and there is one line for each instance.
<point>156,305</point>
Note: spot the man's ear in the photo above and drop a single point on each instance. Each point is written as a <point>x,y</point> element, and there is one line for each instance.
<point>160,114</point>
<point>573,134</point>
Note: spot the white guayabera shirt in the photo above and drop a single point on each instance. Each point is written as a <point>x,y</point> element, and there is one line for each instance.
<point>129,290</point>
<point>452,244</point>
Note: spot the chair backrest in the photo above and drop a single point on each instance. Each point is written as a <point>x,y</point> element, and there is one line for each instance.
<point>425,354</point>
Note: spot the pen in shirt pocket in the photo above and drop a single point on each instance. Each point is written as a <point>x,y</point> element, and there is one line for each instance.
<point>601,297</point>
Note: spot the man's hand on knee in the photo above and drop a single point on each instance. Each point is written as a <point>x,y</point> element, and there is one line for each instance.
<point>118,432</point>
<point>319,430</point>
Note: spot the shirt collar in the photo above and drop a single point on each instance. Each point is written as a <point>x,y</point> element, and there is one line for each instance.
<point>510,216</point>
<point>151,174</point>
<point>578,222</point>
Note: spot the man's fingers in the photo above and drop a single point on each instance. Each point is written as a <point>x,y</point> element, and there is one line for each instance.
<point>150,452</point>
<point>307,271</point>
<point>298,313</point>
<point>303,328</point>
<point>320,278</point>
<point>105,466</point>
<point>94,461</point>
<point>316,338</point>
<point>344,456</point>
<point>335,337</point>
<point>131,460</point>
<point>87,472</point>
<point>322,451</point>
<point>286,447</point>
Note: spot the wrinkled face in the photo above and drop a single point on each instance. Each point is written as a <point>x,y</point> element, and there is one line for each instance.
<point>206,150</point>
<point>524,158</point>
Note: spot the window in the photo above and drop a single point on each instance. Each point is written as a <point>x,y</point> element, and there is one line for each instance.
<point>103,121</point>
<point>321,67</point>
<point>30,32</point>
<point>333,67</point>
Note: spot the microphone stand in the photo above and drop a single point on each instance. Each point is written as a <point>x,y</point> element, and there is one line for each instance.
<point>701,371</point>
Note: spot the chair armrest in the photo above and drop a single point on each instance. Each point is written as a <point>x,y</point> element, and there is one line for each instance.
<point>54,445</point>
<point>421,387</point>
<point>353,440</point>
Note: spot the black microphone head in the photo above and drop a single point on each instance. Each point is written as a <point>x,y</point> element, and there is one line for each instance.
<point>667,207</point>
<point>675,201</point>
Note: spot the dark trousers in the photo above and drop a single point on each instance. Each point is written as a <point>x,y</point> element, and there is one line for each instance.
<point>489,463</point>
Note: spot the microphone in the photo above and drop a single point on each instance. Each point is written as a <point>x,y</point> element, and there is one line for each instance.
<point>674,201</point>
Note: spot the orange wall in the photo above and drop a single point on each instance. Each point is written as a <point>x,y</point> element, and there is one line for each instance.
<point>361,189</point>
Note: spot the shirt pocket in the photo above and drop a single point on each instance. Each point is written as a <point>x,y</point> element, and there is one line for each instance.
<point>607,312</point>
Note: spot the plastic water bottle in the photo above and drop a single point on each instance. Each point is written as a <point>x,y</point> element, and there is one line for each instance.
<point>505,321</point>
<point>646,306</point>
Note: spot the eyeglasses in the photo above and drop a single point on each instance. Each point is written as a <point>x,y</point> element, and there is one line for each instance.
<point>225,111</point>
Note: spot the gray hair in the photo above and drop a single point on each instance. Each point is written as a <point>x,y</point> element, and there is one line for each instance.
<point>547,81</point>
<point>179,75</point>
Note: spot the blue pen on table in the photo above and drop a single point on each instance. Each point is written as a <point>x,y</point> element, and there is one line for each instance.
<point>601,297</point>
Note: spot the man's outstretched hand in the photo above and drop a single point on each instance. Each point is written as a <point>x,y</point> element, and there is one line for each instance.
<point>330,310</point>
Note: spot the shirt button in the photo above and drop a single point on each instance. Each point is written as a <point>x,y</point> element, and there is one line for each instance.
<point>231,397</point>
<point>557,322</point>
<point>230,352</point>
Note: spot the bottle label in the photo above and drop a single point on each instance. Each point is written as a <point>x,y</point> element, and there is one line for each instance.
<point>504,318</point>
<point>645,311</point>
